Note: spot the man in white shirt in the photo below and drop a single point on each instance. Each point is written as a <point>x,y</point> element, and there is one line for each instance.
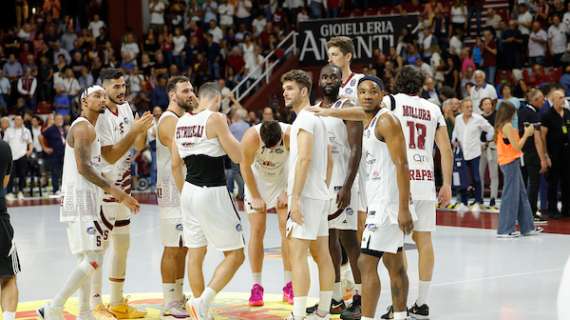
<point>226,11</point>
<point>557,40</point>
<point>20,140</point>
<point>156,9</point>
<point>524,19</point>
<point>216,32</point>
<point>130,50</point>
<point>95,26</point>
<point>481,90</point>
<point>537,42</point>
<point>243,11</point>
<point>467,135</point>
<point>258,24</point>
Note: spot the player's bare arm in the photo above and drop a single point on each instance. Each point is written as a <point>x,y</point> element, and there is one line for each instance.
<point>444,146</point>
<point>354,130</point>
<point>166,130</point>
<point>81,137</point>
<point>112,153</point>
<point>219,125</point>
<point>305,142</point>
<point>388,127</point>
<point>350,114</point>
<point>249,146</point>
<point>177,166</point>
<point>330,164</point>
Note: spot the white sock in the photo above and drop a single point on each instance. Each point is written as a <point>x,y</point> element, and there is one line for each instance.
<point>179,293</point>
<point>168,293</point>
<point>80,273</point>
<point>358,288</point>
<point>423,292</point>
<point>256,278</point>
<point>337,291</point>
<point>287,277</point>
<point>400,315</point>
<point>84,295</point>
<point>366,318</point>
<point>9,315</point>
<point>325,302</point>
<point>96,283</point>
<point>208,296</point>
<point>116,292</point>
<point>299,307</point>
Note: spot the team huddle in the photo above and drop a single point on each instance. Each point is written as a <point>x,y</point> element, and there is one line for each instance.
<point>349,178</point>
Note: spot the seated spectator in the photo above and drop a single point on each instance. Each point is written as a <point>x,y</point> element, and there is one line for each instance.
<point>5,93</point>
<point>429,92</point>
<point>12,68</point>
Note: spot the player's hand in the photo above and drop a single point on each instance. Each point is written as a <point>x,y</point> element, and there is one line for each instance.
<point>529,130</point>
<point>125,199</point>
<point>405,220</point>
<point>282,201</point>
<point>444,196</point>
<point>296,214</point>
<point>258,205</point>
<point>343,198</point>
<point>323,112</point>
<point>142,124</point>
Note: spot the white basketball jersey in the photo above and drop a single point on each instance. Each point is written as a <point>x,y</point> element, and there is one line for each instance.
<point>111,128</point>
<point>80,196</point>
<point>381,183</point>
<point>166,192</point>
<point>270,164</point>
<point>349,88</point>
<point>315,183</point>
<point>338,139</point>
<point>191,138</point>
<point>420,120</point>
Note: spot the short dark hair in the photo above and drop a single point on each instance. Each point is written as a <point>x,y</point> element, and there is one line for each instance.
<point>110,74</point>
<point>270,133</point>
<point>173,81</point>
<point>300,77</point>
<point>343,43</point>
<point>409,80</point>
<point>209,90</point>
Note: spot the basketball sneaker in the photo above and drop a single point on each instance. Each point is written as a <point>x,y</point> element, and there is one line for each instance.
<point>353,312</point>
<point>101,313</point>
<point>317,316</point>
<point>256,297</point>
<point>389,313</point>
<point>419,312</point>
<point>196,309</point>
<point>174,310</point>
<point>48,312</point>
<point>124,311</point>
<point>337,307</point>
<point>288,293</point>
<point>512,235</point>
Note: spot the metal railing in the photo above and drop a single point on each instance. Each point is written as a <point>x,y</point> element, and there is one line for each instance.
<point>255,77</point>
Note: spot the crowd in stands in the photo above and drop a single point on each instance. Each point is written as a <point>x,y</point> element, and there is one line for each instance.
<point>471,56</point>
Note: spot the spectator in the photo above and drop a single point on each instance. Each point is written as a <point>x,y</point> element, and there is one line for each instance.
<point>458,15</point>
<point>489,154</point>
<point>95,26</point>
<point>20,140</point>
<point>237,128</point>
<point>53,142</point>
<point>27,88</point>
<point>557,40</point>
<point>424,68</point>
<point>493,19</point>
<point>429,92</point>
<point>537,42</point>
<point>450,109</point>
<point>156,9</point>
<point>252,118</point>
<point>512,45</point>
<point>428,41</point>
<point>534,155</point>
<point>70,84</point>
<point>268,114</point>
<point>481,90</point>
<point>555,123</point>
<point>5,92</point>
<point>316,8</point>
<point>514,200</point>
<point>243,12</point>
<point>258,24</point>
<point>86,78</point>
<point>467,135</point>
<point>524,19</point>
<point>210,9</point>
<point>475,10</point>
<point>216,32</point>
<point>68,39</point>
<point>129,51</point>
<point>159,97</point>
<point>226,10</point>
<point>57,51</point>
<point>179,41</point>
<point>4,125</point>
<point>333,8</point>
<point>36,131</point>
<point>489,50</point>
<point>12,68</point>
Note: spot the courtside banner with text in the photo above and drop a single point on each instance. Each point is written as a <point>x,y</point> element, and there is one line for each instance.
<point>367,33</point>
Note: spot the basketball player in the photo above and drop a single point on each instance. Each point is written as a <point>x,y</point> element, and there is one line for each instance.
<point>388,191</point>
<point>346,141</point>
<point>209,216</point>
<point>308,179</point>
<point>87,227</point>
<point>9,261</point>
<point>182,100</point>
<point>340,51</point>
<point>264,169</point>
<point>117,131</point>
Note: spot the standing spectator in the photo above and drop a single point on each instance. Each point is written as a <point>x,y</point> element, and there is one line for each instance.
<point>216,32</point>
<point>36,131</point>
<point>243,12</point>
<point>489,50</point>
<point>12,68</point>
<point>4,125</point>
<point>70,84</point>
<point>458,15</point>
<point>534,155</point>
<point>53,142</point>
<point>537,42</point>
<point>450,109</point>
<point>467,134</point>
<point>512,45</point>
<point>179,41</point>
<point>210,9</point>
<point>429,92</point>
<point>557,40</point>
<point>237,128</point>
<point>85,78</point>
<point>524,20</point>
<point>129,51</point>
<point>95,26</point>
<point>258,24</point>
<point>20,140</point>
<point>158,96</point>
<point>481,90</point>
<point>514,200</point>
<point>27,89</point>
<point>226,10</point>
<point>156,8</point>
<point>68,39</point>
<point>475,10</point>
<point>493,19</point>
<point>489,154</point>
<point>428,41</point>
<point>5,92</point>
<point>555,127</point>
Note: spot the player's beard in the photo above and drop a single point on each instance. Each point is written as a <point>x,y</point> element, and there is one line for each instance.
<point>113,100</point>
<point>331,91</point>
<point>187,105</point>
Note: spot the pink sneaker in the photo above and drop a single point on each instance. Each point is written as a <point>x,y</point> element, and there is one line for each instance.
<point>288,293</point>
<point>256,298</point>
